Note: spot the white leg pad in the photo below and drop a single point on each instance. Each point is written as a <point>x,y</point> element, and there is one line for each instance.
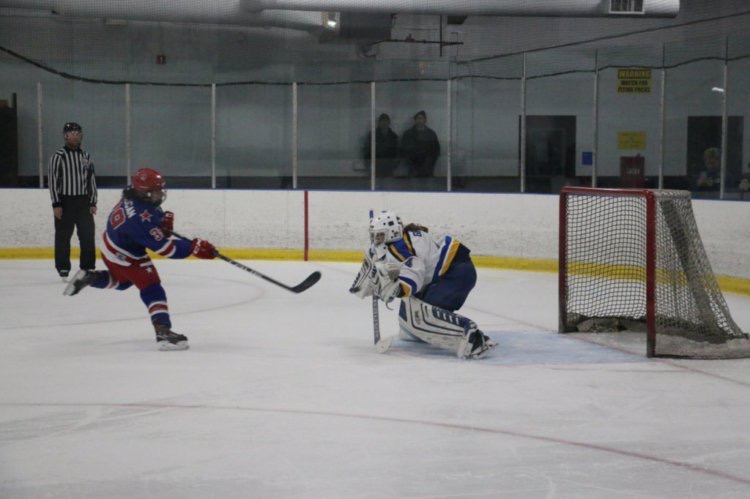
<point>434,325</point>
<point>405,335</point>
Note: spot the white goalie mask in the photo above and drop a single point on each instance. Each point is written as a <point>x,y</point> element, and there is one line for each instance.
<point>385,227</point>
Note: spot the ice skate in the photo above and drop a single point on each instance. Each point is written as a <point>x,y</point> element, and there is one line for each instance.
<point>169,340</point>
<point>475,345</point>
<point>80,280</point>
<point>489,342</point>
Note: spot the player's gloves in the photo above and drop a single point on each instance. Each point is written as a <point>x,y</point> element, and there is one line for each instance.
<point>385,281</point>
<point>387,271</point>
<point>202,249</point>
<point>389,290</point>
<point>363,283</point>
<point>167,223</point>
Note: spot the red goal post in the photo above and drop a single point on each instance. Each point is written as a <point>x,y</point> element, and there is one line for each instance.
<point>632,261</point>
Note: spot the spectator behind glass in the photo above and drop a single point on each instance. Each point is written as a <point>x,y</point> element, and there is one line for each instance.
<point>386,148</point>
<point>420,147</point>
<point>709,178</point>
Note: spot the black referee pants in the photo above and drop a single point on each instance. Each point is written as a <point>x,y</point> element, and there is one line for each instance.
<point>76,214</point>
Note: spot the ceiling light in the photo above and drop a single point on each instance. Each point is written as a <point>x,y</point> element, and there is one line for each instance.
<point>331,20</point>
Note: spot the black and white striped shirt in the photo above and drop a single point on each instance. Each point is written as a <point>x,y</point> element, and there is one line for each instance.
<point>71,173</point>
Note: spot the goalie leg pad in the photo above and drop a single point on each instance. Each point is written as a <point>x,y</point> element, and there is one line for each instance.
<point>403,333</point>
<point>434,325</point>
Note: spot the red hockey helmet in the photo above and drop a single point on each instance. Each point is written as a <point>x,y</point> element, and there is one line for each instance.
<point>150,184</point>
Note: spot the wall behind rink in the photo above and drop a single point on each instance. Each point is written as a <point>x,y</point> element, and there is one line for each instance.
<point>508,230</point>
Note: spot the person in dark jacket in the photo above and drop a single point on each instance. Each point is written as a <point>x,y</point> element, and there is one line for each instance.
<point>420,147</point>
<point>386,148</point>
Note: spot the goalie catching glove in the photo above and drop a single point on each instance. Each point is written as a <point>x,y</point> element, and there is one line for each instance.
<point>377,277</point>
<point>387,285</point>
<point>363,283</point>
<point>388,290</point>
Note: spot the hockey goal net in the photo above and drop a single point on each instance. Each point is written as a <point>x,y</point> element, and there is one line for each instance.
<point>632,262</point>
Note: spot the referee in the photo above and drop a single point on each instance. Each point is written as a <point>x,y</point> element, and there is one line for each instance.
<point>72,187</point>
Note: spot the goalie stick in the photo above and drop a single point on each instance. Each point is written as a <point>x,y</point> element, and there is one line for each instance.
<point>307,283</point>
<point>381,344</point>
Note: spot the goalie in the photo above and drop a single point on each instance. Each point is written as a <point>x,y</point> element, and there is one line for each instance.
<point>432,277</point>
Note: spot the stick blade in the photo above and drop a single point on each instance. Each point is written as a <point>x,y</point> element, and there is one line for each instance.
<point>384,344</point>
<point>307,283</point>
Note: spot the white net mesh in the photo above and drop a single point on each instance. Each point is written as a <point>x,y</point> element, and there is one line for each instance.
<point>605,279</point>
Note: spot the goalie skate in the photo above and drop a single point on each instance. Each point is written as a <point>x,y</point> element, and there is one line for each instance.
<point>475,345</point>
<point>169,340</point>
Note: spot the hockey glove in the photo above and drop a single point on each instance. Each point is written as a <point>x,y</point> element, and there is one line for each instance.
<point>388,271</point>
<point>389,290</point>
<point>363,283</point>
<point>167,223</point>
<point>202,249</point>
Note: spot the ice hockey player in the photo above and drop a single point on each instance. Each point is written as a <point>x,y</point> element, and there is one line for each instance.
<point>138,222</point>
<point>432,277</point>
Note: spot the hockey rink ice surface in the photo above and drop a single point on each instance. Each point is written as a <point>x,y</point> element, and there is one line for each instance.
<point>283,396</point>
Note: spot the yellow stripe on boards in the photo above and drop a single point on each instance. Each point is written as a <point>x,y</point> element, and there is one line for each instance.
<point>728,284</point>
<point>31,253</point>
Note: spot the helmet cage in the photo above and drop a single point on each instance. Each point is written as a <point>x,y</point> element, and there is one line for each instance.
<point>385,227</point>
<point>155,197</point>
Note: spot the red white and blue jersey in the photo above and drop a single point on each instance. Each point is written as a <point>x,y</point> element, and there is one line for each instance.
<point>133,226</point>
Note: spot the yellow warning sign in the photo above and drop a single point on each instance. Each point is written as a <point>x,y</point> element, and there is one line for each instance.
<point>633,81</point>
<point>631,140</point>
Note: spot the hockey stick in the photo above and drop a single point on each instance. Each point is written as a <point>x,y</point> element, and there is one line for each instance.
<point>381,345</point>
<point>307,283</point>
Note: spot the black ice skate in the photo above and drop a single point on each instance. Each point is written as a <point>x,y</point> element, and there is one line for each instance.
<point>476,345</point>
<point>169,340</point>
<point>79,281</point>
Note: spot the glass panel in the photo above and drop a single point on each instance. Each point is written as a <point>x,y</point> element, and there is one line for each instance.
<point>629,127</point>
<point>478,123</point>
<point>19,157</point>
<point>332,120</point>
<point>738,105</point>
<point>102,120</point>
<point>694,92</point>
<point>171,132</point>
<point>486,106</point>
<point>418,169</point>
<point>559,119</point>
<point>254,136</point>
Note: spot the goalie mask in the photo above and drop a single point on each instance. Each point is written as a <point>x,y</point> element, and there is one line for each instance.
<point>150,185</point>
<point>385,227</point>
